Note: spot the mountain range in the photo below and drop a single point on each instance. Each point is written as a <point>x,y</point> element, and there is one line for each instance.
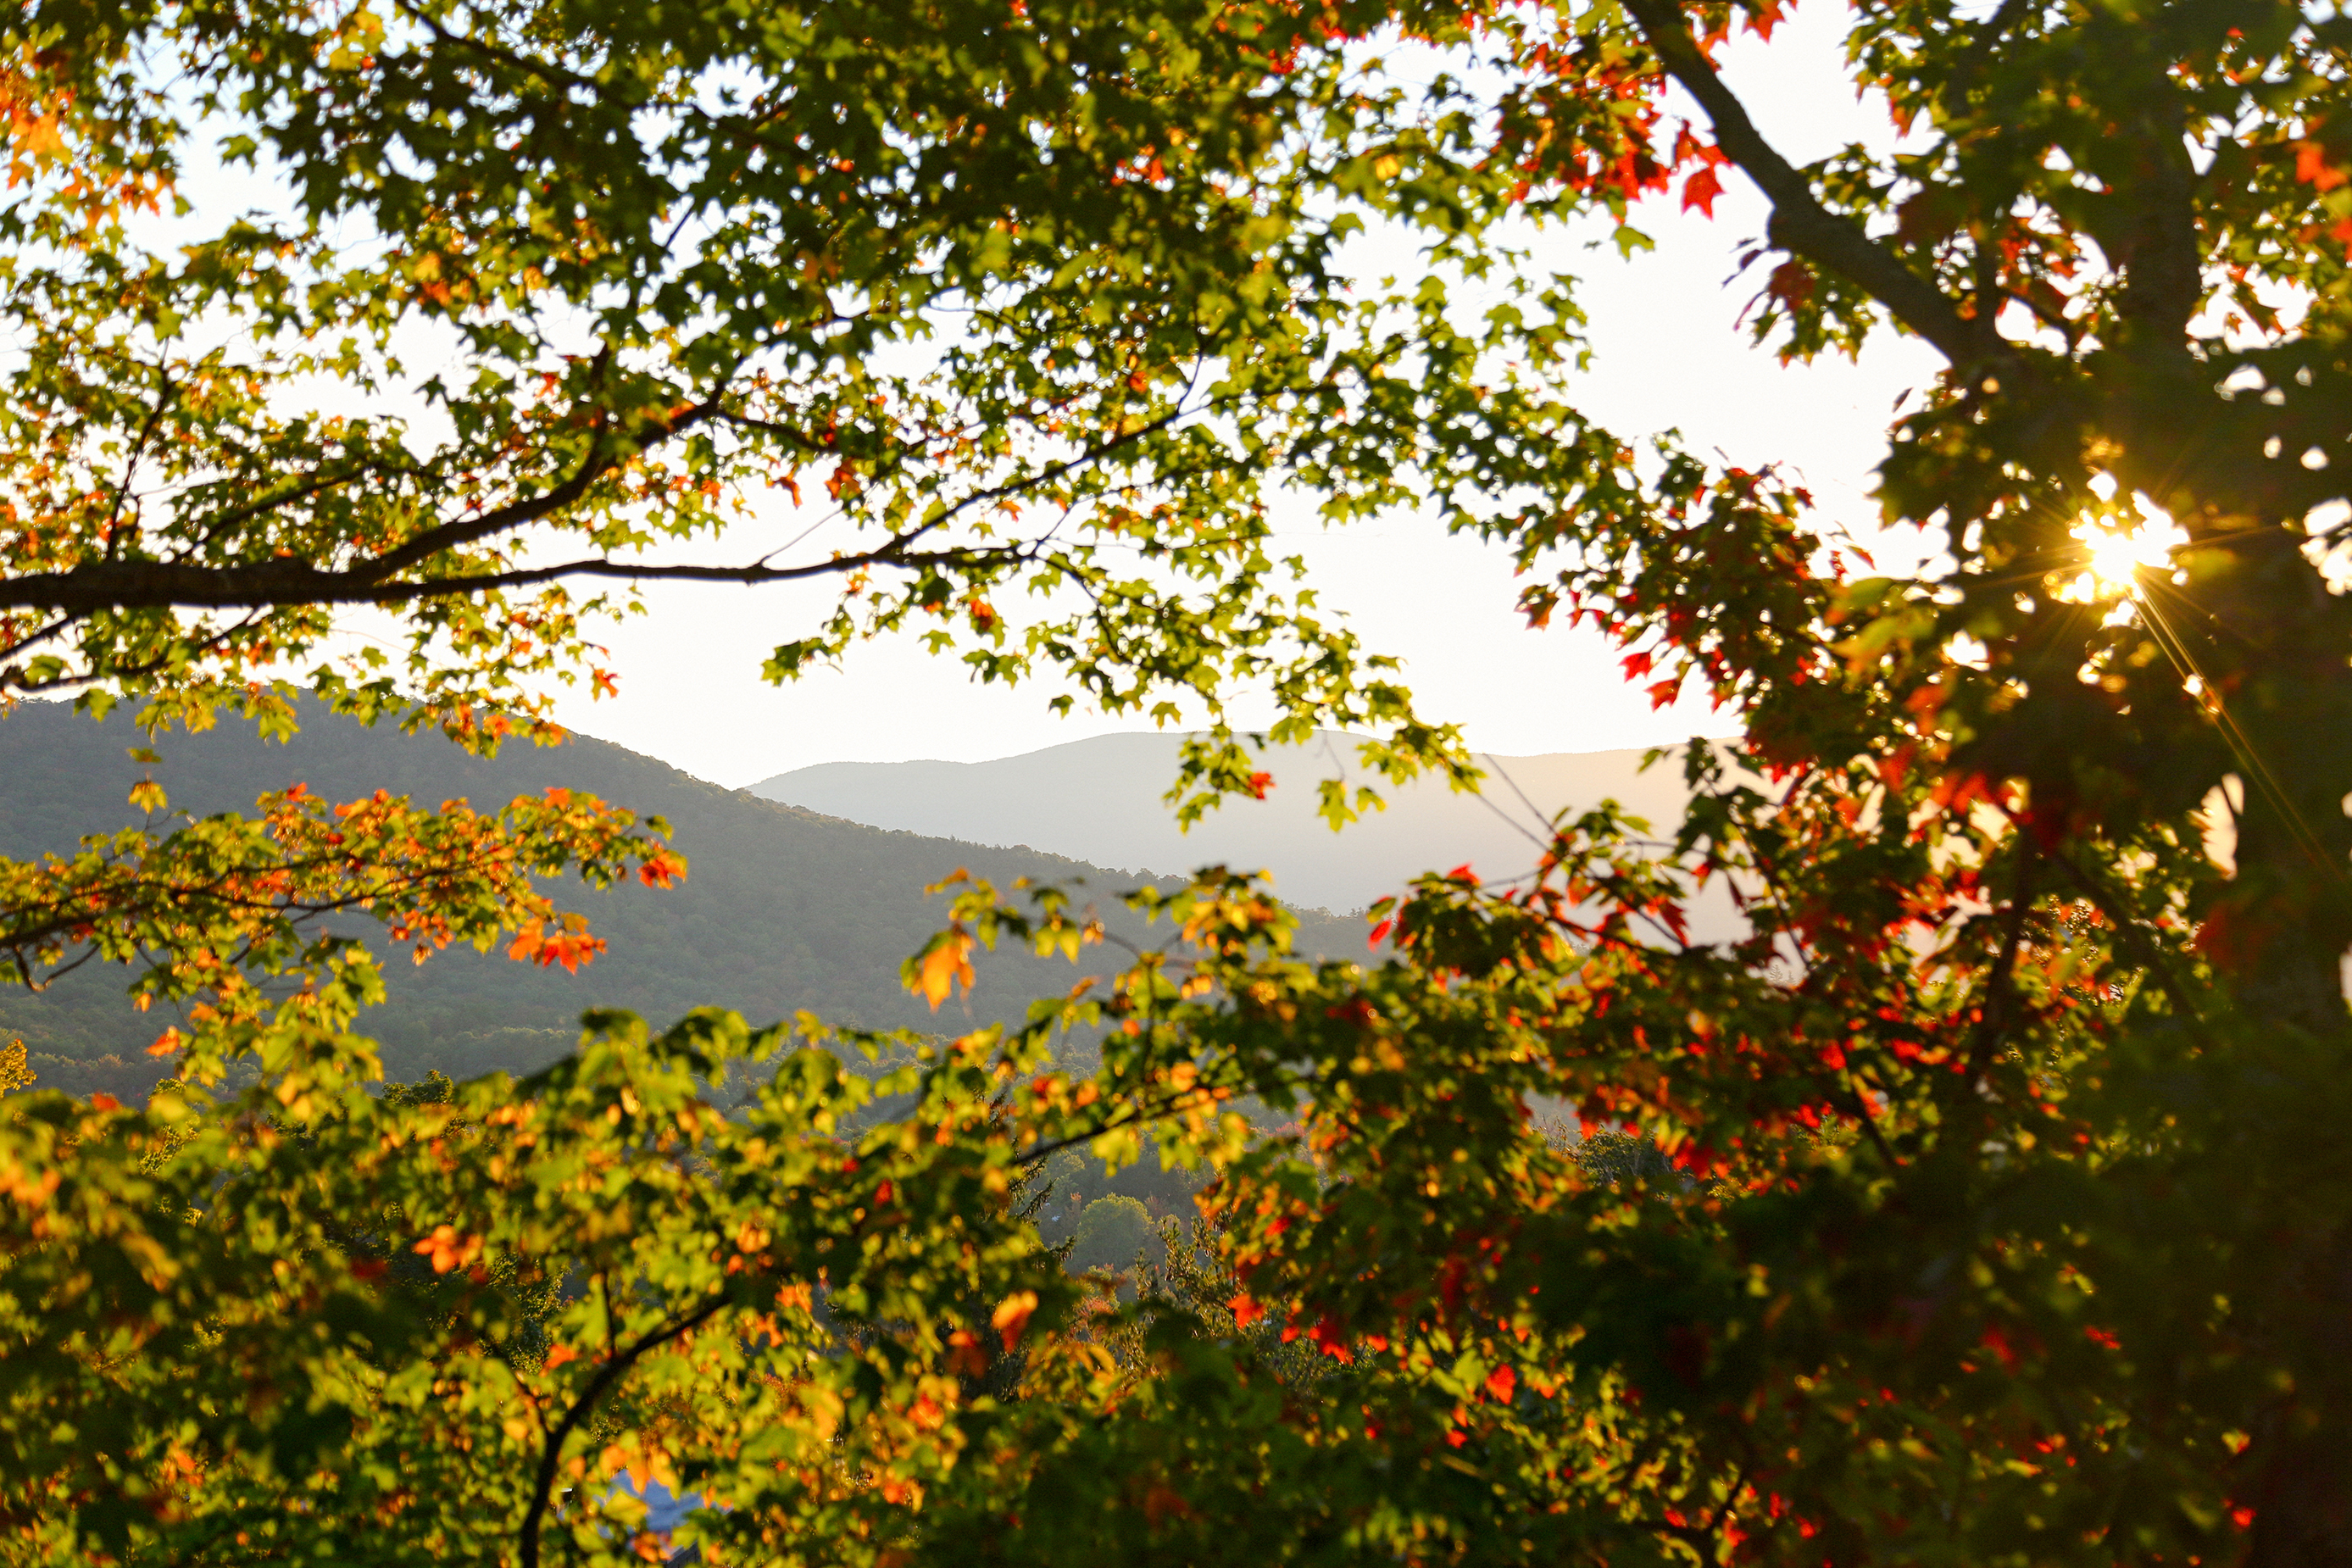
<point>804,891</point>
<point>1101,800</point>
<point>783,908</point>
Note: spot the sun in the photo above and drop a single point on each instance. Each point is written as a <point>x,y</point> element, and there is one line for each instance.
<point>2114,557</point>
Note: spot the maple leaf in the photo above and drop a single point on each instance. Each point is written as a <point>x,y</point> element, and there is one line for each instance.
<point>1700,191</point>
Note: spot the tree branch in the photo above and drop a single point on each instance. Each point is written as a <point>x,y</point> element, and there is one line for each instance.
<point>87,589</point>
<point>598,462</point>
<point>1799,223</point>
<point>551,1450</point>
<point>2162,264</point>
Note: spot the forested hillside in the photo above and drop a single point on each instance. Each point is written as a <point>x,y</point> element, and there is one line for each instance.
<point>781,909</point>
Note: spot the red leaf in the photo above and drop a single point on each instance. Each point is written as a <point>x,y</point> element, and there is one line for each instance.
<point>1700,190</point>
<point>1792,283</point>
<point>2312,167</point>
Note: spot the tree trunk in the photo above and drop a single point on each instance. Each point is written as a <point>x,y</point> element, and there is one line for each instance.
<point>2278,634</point>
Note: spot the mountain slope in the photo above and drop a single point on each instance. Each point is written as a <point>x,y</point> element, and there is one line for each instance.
<point>782,908</point>
<point>1100,800</point>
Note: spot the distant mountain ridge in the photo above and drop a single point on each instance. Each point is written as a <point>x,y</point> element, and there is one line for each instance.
<point>783,908</point>
<point>1100,800</point>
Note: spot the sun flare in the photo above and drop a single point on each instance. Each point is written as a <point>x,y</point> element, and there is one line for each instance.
<point>2114,557</point>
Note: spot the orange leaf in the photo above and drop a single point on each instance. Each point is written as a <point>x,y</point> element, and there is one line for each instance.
<point>945,962</point>
<point>447,1248</point>
<point>2312,167</point>
<point>1013,1315</point>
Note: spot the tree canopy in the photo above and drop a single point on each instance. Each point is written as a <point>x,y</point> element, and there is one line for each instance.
<point>1998,1211</point>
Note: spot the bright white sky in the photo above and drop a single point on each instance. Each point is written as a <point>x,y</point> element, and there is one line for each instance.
<point>1666,353</point>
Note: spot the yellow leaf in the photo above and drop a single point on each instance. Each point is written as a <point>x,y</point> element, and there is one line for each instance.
<point>15,1072</point>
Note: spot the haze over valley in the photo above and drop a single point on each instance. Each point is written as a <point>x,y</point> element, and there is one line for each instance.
<point>1101,800</point>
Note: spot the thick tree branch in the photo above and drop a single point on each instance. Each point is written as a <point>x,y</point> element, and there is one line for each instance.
<point>89,589</point>
<point>2163,263</point>
<point>1799,223</point>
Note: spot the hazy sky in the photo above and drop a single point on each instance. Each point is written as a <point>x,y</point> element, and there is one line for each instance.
<point>1666,353</point>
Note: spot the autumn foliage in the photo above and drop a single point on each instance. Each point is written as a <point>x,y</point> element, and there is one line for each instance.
<point>1981,1200</point>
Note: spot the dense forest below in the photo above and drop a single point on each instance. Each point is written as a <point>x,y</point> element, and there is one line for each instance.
<point>781,909</point>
